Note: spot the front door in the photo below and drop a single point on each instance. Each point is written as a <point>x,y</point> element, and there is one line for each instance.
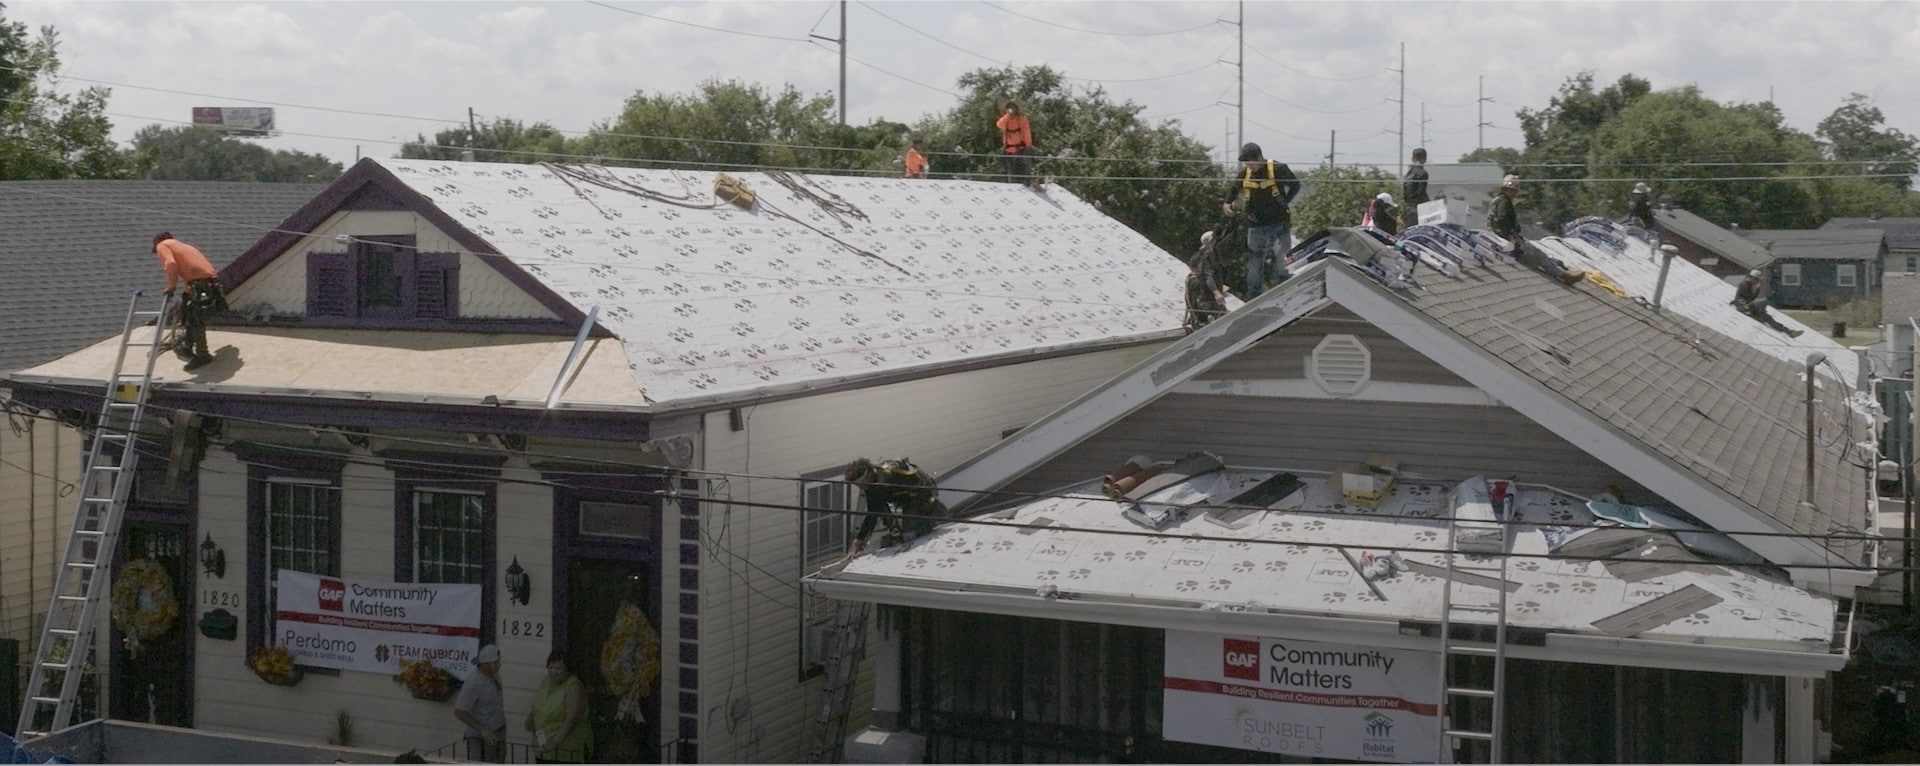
<point>153,681</point>
<point>595,590</point>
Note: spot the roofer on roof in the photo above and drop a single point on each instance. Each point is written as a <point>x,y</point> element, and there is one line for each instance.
<point>1413,190</point>
<point>186,265</point>
<point>1751,299</point>
<point>1504,219</point>
<point>1270,187</point>
<point>1016,141</point>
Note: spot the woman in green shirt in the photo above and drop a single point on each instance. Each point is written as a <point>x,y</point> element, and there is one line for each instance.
<point>558,720</point>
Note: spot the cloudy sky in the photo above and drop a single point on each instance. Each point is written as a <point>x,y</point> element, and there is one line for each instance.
<point>351,77</point>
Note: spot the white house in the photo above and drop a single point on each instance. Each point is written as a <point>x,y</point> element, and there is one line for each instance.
<point>608,387</point>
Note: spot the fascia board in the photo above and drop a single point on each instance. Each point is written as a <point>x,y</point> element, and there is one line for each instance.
<point>1571,422</point>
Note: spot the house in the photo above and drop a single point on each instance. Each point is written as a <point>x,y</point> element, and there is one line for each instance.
<point>1822,268</point>
<point>589,404</point>
<point>1229,636</point>
<point>1473,183</point>
<point>1903,238</point>
<point>1899,306</point>
<point>76,251</point>
<point>1724,253</point>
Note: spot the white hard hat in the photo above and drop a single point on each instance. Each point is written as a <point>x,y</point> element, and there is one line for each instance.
<point>1510,182</point>
<point>1206,238</point>
<point>1385,197</point>
<point>1754,273</point>
<point>1642,188</point>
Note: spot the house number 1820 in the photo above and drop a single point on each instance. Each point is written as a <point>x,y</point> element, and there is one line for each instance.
<point>212,597</point>
<point>530,628</point>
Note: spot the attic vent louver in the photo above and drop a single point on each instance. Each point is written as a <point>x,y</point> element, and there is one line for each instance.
<point>1341,364</point>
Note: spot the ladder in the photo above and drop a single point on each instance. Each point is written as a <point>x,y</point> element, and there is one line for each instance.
<point>845,647</point>
<point>66,637</point>
<point>1473,669</point>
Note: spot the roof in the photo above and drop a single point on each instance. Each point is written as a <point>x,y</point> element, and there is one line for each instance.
<point>1899,297</point>
<point>829,279</point>
<point>76,250</point>
<point>1711,424</point>
<point>1695,293</point>
<point>1902,233</point>
<point>1285,564</point>
<point>1712,238</point>
<point>1822,244</point>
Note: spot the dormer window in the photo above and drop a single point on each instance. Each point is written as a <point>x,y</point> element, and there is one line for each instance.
<point>383,278</point>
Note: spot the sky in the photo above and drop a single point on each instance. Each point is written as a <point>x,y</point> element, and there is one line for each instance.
<point>358,78</point>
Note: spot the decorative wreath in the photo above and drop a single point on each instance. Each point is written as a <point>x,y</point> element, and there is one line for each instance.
<point>424,680</point>
<point>630,661</point>
<point>143,604</point>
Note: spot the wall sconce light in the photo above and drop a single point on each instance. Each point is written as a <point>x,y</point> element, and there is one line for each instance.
<point>519,585</point>
<point>212,559</point>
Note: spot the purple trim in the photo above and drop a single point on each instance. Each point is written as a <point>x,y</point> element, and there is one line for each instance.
<point>689,704</point>
<point>409,480</point>
<point>369,172</point>
<point>281,466</point>
<point>689,678</point>
<point>690,579</point>
<point>491,326</point>
<point>436,289</point>
<point>575,483</point>
<point>330,285</point>
<point>373,198</point>
<point>689,554</point>
<point>292,460</point>
<point>690,604</point>
<point>689,653</point>
<point>689,629</point>
<point>689,727</point>
<point>399,248</point>
<point>429,464</point>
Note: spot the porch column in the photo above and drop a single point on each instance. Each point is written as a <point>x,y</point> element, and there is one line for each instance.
<point>1801,724</point>
<point>884,742</point>
<point>1760,721</point>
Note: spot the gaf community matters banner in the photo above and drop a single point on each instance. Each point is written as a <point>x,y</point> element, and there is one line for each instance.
<point>336,622</point>
<point>1302,698</point>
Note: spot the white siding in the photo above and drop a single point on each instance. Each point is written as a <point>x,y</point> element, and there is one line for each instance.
<point>750,605</point>
<point>484,293</point>
<point>36,463</point>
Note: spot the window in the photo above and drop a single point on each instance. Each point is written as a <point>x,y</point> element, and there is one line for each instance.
<point>627,522</point>
<point>824,533</point>
<point>1913,264</point>
<point>297,518</point>
<point>449,531</point>
<point>1846,275</point>
<point>383,278</point>
<point>1789,275</point>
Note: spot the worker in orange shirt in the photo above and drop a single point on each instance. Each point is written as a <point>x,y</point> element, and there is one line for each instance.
<point>917,159</point>
<point>186,266</point>
<point>1016,140</point>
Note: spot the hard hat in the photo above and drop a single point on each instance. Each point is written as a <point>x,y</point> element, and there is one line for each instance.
<point>1385,197</point>
<point>1642,188</point>
<point>1206,238</point>
<point>1510,182</point>
<point>1754,273</point>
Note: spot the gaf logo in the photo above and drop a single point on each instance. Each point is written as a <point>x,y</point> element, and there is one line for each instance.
<point>333,594</point>
<point>1241,658</point>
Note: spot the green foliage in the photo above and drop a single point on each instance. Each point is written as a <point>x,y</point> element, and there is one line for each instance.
<point>500,140</point>
<point>200,153</point>
<point>1507,158</point>
<point>1089,144</point>
<point>1337,196</point>
<point>1854,132</point>
<point>1559,141</point>
<point>1664,135</point>
<point>743,127</point>
<point>46,134</point>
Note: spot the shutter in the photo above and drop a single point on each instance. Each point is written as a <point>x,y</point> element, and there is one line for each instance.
<point>329,285</point>
<point>436,285</point>
<point>1341,364</point>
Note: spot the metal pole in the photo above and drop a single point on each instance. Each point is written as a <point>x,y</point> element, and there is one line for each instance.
<point>843,62</point>
<point>1813,360</point>
<point>1482,105</point>
<point>1907,585</point>
<point>1403,110</point>
<point>1666,262</point>
<point>1330,136</point>
<point>1241,105</point>
<point>473,128</point>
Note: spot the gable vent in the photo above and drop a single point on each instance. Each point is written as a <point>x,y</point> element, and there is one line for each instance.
<point>1341,364</point>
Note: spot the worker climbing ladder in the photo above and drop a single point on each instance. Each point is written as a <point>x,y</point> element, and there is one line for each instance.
<point>66,638</point>
<point>1473,653</point>
<point>845,647</point>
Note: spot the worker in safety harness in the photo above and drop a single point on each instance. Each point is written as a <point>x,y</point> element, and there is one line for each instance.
<point>1016,141</point>
<point>1270,187</point>
<point>1640,206</point>
<point>901,492</point>
<point>916,161</point>
<point>1206,283</point>
<point>186,266</point>
<point>1413,190</point>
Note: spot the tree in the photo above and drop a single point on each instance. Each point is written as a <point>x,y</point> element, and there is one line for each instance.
<point>1558,139</point>
<point>1853,133</point>
<point>500,140</point>
<point>200,153</point>
<point>1507,158</point>
<point>1718,161</point>
<point>735,125</point>
<point>46,134</point>
<point>1337,196</point>
<point>1151,177</point>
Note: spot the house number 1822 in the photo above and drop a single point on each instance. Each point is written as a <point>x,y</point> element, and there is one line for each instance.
<point>530,628</point>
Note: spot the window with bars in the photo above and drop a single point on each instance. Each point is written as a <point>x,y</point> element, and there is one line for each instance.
<point>449,536</point>
<point>300,517</point>
<point>384,279</point>
<point>824,527</point>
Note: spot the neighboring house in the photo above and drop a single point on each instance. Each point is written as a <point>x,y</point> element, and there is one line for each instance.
<point>1899,306</point>
<point>1472,183</point>
<point>75,252</point>
<point>1822,268</point>
<point>1903,239</point>
<point>406,401</point>
<point>1724,253</point>
<point>1500,372</point>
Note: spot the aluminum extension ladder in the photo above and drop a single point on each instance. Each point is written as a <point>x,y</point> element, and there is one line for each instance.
<point>1471,729</point>
<point>66,637</point>
<point>846,647</point>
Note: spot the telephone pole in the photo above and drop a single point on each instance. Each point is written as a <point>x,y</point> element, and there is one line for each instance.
<point>1330,137</point>
<point>1402,101</point>
<point>1423,126</point>
<point>840,41</point>
<point>473,128</point>
<point>1240,66</point>
<point>1482,105</point>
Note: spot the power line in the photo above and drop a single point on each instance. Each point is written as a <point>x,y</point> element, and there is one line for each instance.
<point>876,68</point>
<point>698,26</point>
<point>916,30</point>
<point>1305,73</point>
<point>1003,9</point>
<point>1263,91</point>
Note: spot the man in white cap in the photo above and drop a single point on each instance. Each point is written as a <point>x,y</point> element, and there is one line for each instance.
<point>1750,298</point>
<point>1381,214</point>
<point>481,706</point>
<point>1504,219</point>
<point>1640,206</point>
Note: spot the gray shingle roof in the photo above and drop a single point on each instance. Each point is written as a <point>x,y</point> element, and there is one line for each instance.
<point>1902,233</point>
<point>1729,413</point>
<point>1821,244</point>
<point>1719,241</point>
<point>1899,297</point>
<point>76,249</point>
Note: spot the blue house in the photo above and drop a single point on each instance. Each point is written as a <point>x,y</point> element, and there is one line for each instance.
<point>1822,268</point>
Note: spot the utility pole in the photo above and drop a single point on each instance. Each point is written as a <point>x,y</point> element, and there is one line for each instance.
<point>1482,105</point>
<point>1241,25</point>
<point>840,41</point>
<point>1402,101</point>
<point>1330,136</point>
<point>473,128</point>
<point>1423,127</point>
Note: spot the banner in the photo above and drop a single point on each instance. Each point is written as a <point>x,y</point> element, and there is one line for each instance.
<point>1302,698</point>
<point>370,626</point>
<point>237,120</point>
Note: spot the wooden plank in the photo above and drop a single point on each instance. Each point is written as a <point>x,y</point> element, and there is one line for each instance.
<point>1660,611</point>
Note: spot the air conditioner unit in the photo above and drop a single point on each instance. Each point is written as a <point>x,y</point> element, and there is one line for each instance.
<point>814,653</point>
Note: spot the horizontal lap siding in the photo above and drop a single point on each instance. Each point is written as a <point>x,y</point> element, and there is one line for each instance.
<point>1283,355</point>
<point>750,617</point>
<point>35,516</point>
<point>1448,441</point>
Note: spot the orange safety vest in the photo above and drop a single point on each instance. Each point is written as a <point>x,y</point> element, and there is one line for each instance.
<point>1015,132</point>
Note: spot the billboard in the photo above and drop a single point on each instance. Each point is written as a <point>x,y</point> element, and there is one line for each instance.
<point>371,626</point>
<point>1301,698</point>
<point>236,120</point>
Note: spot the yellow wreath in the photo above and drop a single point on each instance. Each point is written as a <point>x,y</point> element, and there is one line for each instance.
<point>630,660</point>
<point>143,602</point>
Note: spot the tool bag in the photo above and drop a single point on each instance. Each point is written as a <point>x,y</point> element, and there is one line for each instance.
<point>733,190</point>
